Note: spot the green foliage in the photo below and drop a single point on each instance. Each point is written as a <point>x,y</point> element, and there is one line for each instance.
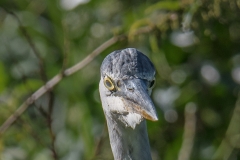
<point>164,5</point>
<point>3,80</point>
<point>194,45</point>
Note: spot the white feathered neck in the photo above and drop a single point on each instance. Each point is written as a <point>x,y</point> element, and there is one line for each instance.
<point>127,131</point>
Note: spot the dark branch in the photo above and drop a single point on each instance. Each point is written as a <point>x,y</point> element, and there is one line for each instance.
<point>56,79</point>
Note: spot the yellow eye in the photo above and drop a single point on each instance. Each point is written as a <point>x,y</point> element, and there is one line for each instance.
<point>109,84</point>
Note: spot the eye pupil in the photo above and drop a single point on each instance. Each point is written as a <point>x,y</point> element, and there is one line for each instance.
<point>108,83</point>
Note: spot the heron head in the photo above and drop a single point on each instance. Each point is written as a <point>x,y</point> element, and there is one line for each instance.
<point>127,79</point>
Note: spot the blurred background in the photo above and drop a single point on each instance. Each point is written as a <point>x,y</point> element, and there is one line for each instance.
<point>194,45</point>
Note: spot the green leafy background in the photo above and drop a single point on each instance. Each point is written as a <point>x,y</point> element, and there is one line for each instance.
<point>194,45</point>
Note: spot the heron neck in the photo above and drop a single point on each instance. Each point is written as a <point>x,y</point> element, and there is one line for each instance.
<point>128,143</point>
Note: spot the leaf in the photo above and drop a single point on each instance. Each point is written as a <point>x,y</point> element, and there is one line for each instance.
<point>136,25</point>
<point>3,79</point>
<point>28,85</point>
<point>164,5</point>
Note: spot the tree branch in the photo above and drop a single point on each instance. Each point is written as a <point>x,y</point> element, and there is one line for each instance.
<point>49,122</point>
<point>55,80</point>
<point>91,56</point>
<point>99,142</point>
<point>31,44</point>
<point>232,137</point>
<point>189,132</point>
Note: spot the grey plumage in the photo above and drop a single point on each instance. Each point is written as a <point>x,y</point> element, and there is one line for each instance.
<point>126,63</point>
<point>126,83</point>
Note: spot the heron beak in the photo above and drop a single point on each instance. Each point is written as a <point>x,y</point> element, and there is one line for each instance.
<point>136,99</point>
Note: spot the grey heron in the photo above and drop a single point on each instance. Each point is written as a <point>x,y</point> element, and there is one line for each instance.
<point>127,79</point>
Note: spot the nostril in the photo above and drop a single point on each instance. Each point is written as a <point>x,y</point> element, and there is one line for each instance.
<point>131,89</point>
